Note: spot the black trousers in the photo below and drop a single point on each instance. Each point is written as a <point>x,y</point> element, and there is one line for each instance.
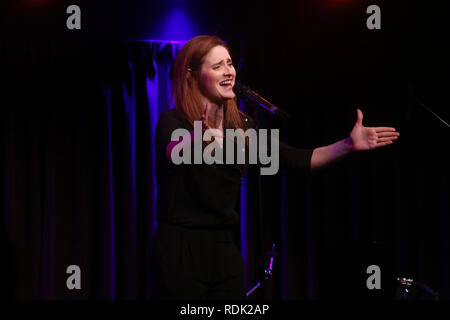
<point>195,264</point>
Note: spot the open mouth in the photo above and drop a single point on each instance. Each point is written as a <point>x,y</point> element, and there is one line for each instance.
<point>227,84</point>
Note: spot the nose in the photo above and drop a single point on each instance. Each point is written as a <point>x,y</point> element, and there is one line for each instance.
<point>228,71</point>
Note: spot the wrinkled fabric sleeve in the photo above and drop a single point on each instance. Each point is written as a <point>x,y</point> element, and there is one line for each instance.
<point>297,159</point>
<point>291,158</point>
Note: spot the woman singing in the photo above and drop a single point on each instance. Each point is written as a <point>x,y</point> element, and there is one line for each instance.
<point>193,255</point>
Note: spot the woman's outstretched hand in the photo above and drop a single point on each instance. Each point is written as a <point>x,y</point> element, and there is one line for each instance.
<point>361,138</point>
<point>367,138</point>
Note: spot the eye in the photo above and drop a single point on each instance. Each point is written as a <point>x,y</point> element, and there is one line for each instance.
<point>216,67</point>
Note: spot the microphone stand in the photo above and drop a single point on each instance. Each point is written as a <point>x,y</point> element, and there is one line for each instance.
<point>259,214</point>
<point>268,272</point>
<point>420,103</point>
<point>254,98</point>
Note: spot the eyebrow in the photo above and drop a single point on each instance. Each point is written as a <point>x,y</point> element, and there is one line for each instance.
<point>221,61</point>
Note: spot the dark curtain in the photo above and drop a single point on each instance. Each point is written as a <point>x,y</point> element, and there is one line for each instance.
<point>78,185</point>
<point>77,164</point>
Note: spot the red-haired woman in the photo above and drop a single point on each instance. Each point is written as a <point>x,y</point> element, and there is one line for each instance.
<point>194,255</point>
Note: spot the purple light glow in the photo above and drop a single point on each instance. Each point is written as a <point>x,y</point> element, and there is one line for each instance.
<point>177,26</point>
<point>182,42</point>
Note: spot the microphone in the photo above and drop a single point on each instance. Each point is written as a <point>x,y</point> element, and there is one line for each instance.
<point>251,96</point>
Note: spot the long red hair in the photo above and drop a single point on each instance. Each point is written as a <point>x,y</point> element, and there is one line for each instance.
<point>187,97</point>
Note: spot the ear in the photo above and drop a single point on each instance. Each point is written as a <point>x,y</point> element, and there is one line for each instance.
<point>189,73</point>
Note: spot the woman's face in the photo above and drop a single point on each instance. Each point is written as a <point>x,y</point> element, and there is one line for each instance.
<point>217,75</point>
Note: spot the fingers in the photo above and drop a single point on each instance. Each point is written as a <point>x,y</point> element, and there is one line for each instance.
<point>383,129</point>
<point>203,119</point>
<point>204,112</point>
<point>204,124</point>
<point>382,144</point>
<point>386,139</point>
<point>388,134</point>
<point>359,116</point>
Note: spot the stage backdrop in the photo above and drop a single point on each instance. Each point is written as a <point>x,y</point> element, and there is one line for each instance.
<point>78,182</point>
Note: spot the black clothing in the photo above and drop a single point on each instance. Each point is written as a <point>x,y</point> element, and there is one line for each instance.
<point>194,255</point>
<point>196,264</point>
<point>201,195</point>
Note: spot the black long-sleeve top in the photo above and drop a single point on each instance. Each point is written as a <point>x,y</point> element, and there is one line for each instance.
<point>202,195</point>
